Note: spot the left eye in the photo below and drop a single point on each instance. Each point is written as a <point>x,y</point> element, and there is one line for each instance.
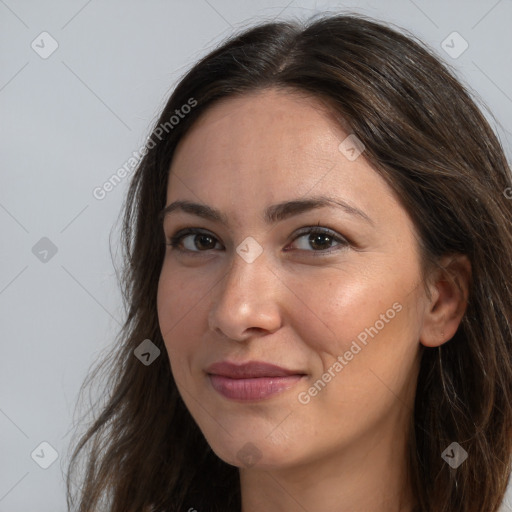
<point>319,238</point>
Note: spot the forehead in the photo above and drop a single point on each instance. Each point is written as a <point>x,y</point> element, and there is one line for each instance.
<point>260,129</point>
<point>270,146</point>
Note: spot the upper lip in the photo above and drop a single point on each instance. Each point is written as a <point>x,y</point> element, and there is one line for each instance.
<point>251,369</point>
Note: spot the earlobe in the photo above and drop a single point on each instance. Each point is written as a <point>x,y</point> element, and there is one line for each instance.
<point>448,301</point>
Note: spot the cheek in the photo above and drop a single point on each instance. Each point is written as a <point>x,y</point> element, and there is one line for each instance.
<point>179,298</point>
<point>377,355</point>
<point>369,318</point>
<point>179,305</point>
<point>332,310</point>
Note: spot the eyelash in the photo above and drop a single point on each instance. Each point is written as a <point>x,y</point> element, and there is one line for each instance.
<point>176,239</point>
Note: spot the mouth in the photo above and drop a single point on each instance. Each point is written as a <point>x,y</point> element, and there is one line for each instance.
<point>251,381</point>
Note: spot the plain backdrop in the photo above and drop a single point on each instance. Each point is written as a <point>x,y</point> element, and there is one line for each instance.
<point>81,83</point>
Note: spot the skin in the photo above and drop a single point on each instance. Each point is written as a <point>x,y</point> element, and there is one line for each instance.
<point>299,306</point>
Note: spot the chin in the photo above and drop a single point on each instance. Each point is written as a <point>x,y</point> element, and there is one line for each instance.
<point>244,452</point>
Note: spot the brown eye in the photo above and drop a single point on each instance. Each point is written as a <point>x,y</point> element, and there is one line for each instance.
<point>198,241</point>
<point>320,240</point>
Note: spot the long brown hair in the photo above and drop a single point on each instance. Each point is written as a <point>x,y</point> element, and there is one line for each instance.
<point>423,132</point>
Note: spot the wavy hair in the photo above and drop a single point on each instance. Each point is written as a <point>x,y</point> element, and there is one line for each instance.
<point>426,136</point>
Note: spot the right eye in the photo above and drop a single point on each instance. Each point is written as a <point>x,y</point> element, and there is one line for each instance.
<point>195,242</point>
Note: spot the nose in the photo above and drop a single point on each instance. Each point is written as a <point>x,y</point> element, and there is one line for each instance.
<point>246,300</point>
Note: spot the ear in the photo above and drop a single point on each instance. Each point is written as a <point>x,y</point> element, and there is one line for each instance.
<point>449,289</point>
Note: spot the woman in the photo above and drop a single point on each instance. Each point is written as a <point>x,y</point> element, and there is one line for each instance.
<point>317,276</point>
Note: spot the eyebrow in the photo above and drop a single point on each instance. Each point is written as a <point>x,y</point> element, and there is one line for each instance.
<point>274,213</point>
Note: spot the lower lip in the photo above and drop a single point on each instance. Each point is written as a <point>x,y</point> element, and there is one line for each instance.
<point>252,389</point>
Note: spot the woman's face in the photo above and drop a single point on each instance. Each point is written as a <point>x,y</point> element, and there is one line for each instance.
<point>330,294</point>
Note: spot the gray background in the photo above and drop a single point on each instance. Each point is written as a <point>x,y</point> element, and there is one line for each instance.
<point>69,121</point>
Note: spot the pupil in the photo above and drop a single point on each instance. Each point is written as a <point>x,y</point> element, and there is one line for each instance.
<point>203,237</point>
<point>326,239</point>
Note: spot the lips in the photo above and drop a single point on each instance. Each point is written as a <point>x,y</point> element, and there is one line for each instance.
<point>254,380</point>
<point>250,370</point>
